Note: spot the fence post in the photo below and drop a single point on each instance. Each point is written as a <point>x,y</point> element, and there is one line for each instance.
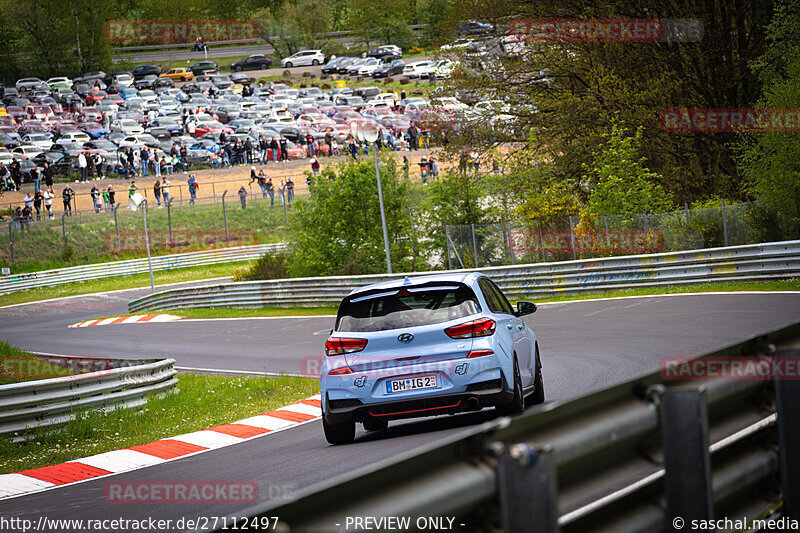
<point>64,227</point>
<point>787,397</point>
<point>214,192</point>
<point>180,191</point>
<point>116,226</point>
<point>147,244</point>
<point>474,245</point>
<point>169,219</point>
<point>572,238</point>
<point>225,216</point>
<point>724,223</point>
<point>447,242</point>
<point>510,246</point>
<point>11,240</point>
<point>687,463</point>
<point>528,492</point>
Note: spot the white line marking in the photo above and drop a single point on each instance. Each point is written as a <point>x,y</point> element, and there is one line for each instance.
<point>266,422</point>
<point>303,408</point>
<point>120,460</point>
<point>208,439</point>
<point>15,484</point>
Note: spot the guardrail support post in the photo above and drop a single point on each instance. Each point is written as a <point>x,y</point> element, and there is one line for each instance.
<point>787,396</point>
<point>687,464</point>
<point>528,493</point>
<point>116,226</point>
<point>225,215</point>
<point>64,227</point>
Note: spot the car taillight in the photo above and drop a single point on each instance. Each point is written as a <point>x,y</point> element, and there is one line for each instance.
<point>341,346</point>
<point>340,371</point>
<point>482,327</point>
<point>479,353</point>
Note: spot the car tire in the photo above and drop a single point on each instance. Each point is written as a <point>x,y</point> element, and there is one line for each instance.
<point>342,433</point>
<point>238,68</point>
<point>183,78</point>
<point>375,424</point>
<point>314,62</point>
<point>517,403</point>
<point>289,64</point>
<point>264,66</point>
<point>538,384</point>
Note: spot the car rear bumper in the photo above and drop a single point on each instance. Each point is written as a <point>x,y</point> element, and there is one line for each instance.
<point>476,396</point>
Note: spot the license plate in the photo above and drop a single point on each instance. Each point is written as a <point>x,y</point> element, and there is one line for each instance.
<point>415,383</point>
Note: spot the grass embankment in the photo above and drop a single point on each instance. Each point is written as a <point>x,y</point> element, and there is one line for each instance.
<point>227,312</point>
<point>202,401</point>
<point>161,277</point>
<point>92,238</point>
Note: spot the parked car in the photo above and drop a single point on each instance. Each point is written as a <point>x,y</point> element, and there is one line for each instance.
<point>253,62</point>
<point>457,44</point>
<point>304,57</point>
<point>178,74</point>
<point>469,346</point>
<point>27,84</point>
<point>201,66</point>
<point>330,66</point>
<point>387,52</point>
<point>146,70</point>
<point>389,69</point>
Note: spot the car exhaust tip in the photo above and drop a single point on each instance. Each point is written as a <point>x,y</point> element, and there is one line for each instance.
<point>473,404</point>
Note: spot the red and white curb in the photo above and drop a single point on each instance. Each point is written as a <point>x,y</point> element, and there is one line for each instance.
<point>131,319</point>
<point>160,451</point>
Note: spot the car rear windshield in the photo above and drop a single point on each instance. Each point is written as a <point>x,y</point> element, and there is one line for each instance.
<point>406,307</point>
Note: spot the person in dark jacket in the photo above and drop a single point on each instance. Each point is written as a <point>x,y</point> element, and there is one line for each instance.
<point>284,149</point>
<point>66,196</point>
<point>273,146</point>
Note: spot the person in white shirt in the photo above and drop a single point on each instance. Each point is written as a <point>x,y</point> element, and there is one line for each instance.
<point>84,166</point>
<point>48,201</point>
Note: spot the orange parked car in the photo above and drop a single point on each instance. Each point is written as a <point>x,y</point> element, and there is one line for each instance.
<point>178,74</point>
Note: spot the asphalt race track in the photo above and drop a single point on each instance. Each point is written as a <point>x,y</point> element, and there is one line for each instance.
<point>584,346</point>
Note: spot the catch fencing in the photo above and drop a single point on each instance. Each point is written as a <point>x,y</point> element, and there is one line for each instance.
<point>759,262</point>
<point>110,384</point>
<point>651,454</point>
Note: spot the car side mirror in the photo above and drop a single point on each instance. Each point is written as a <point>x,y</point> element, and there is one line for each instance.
<point>525,308</point>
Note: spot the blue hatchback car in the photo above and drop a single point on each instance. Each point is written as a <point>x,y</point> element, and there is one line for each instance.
<point>425,346</point>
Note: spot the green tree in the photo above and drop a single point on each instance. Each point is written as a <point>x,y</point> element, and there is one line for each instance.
<point>619,181</point>
<point>337,230</point>
<point>770,159</point>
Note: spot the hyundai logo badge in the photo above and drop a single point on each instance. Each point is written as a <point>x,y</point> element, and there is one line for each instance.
<point>405,337</point>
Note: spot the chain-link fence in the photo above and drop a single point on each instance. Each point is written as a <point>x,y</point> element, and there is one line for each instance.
<point>116,233</point>
<point>587,236</point>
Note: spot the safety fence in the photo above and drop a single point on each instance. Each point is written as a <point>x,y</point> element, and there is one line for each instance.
<point>109,384</point>
<point>769,261</point>
<point>664,452</point>
<point>130,267</point>
<point>587,236</point>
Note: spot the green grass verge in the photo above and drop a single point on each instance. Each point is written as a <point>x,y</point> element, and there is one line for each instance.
<point>161,277</point>
<point>203,401</point>
<point>18,365</point>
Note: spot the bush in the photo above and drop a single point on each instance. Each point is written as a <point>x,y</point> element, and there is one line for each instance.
<point>287,73</point>
<point>404,81</point>
<point>306,74</point>
<point>388,81</point>
<point>324,77</point>
<point>325,86</point>
<point>415,50</point>
<point>267,267</point>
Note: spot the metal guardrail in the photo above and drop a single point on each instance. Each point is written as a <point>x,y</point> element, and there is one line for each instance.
<point>769,261</point>
<point>47,402</point>
<point>648,455</point>
<point>46,278</point>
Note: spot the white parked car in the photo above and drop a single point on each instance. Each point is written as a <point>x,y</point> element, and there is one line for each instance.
<point>26,151</point>
<point>40,140</point>
<point>457,44</point>
<point>126,126</point>
<point>126,80</point>
<point>412,70</point>
<point>75,136</point>
<point>303,58</point>
<point>370,65</point>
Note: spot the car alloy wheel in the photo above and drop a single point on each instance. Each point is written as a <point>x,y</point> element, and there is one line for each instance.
<point>238,68</point>
<point>314,62</point>
<point>289,64</point>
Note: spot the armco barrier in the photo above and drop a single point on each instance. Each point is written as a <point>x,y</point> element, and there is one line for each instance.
<point>769,261</point>
<point>648,455</point>
<point>46,278</point>
<point>46,402</point>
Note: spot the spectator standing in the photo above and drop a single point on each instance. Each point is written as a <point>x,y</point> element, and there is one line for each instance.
<point>310,143</point>
<point>144,157</point>
<point>16,175</point>
<point>83,165</point>
<point>423,169</point>
<point>263,145</point>
<point>98,165</point>
<point>90,166</point>
<point>37,180</point>
<point>273,146</point>
<point>48,201</point>
<point>284,149</point>
<point>165,190</point>
<point>314,166</point>
<point>248,150</point>
<point>157,192</point>
<point>66,197</point>
<point>48,174</point>
<point>262,182</point>
<point>406,164</point>
<point>329,141</point>
<point>37,203</point>
<point>243,196</point>
<point>281,192</point>
<point>271,192</point>
<point>434,166</point>
<point>193,186</point>
<point>413,137</point>
<point>111,196</point>
<point>131,191</point>
<point>353,149</point>
<point>95,194</point>
<point>289,190</point>
<point>28,200</point>
<point>106,201</point>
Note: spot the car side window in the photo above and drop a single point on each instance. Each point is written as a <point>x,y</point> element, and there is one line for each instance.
<point>495,305</point>
<point>504,303</point>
